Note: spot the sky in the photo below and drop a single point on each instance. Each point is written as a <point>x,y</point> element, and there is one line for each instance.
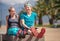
<point>18,4</point>
<point>12,2</point>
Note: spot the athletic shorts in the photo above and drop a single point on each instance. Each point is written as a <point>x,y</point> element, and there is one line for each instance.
<point>13,30</point>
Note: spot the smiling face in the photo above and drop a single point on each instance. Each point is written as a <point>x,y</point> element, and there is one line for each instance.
<point>28,8</point>
<point>12,11</point>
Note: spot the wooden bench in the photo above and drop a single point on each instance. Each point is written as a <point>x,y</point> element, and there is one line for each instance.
<point>2,31</point>
<point>11,38</point>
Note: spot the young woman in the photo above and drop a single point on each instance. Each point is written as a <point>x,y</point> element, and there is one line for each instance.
<point>13,23</point>
<point>28,20</point>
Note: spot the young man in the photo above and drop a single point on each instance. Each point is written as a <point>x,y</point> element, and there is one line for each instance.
<point>28,20</point>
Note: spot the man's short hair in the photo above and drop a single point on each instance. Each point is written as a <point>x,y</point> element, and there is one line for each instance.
<point>27,4</point>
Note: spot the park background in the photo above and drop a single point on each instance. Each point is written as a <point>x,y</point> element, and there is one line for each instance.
<point>50,8</point>
<point>48,15</point>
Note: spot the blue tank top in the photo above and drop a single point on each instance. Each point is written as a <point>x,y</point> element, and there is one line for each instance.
<point>13,22</point>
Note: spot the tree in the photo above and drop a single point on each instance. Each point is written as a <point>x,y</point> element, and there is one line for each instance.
<point>50,6</point>
<point>40,8</point>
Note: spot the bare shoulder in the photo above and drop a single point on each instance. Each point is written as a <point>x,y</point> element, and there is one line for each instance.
<point>7,17</point>
<point>18,16</point>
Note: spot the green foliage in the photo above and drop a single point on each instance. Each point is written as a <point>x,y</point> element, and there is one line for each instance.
<point>46,6</point>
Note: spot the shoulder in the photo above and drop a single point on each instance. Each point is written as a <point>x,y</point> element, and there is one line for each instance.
<point>7,17</point>
<point>34,13</point>
<point>22,14</point>
<point>17,15</point>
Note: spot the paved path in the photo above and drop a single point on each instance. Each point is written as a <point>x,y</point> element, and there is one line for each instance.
<point>52,34</point>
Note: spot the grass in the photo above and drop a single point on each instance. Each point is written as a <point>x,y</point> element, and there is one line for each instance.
<point>51,25</point>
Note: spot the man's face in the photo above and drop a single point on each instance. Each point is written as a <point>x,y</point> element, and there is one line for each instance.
<point>28,8</point>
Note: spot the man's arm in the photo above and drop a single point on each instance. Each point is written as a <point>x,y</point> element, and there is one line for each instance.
<point>23,24</point>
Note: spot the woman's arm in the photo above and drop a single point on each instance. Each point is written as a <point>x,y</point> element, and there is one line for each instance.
<point>7,21</point>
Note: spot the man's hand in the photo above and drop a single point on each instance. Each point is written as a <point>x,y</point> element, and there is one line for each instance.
<point>29,31</point>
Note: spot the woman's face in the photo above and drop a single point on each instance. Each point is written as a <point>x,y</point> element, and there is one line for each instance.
<point>12,11</point>
<point>28,8</point>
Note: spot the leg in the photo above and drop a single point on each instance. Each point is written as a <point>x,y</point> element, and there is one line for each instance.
<point>21,33</point>
<point>36,34</point>
<point>29,38</point>
<point>9,38</point>
<point>18,34</point>
<point>41,34</point>
<point>34,31</point>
